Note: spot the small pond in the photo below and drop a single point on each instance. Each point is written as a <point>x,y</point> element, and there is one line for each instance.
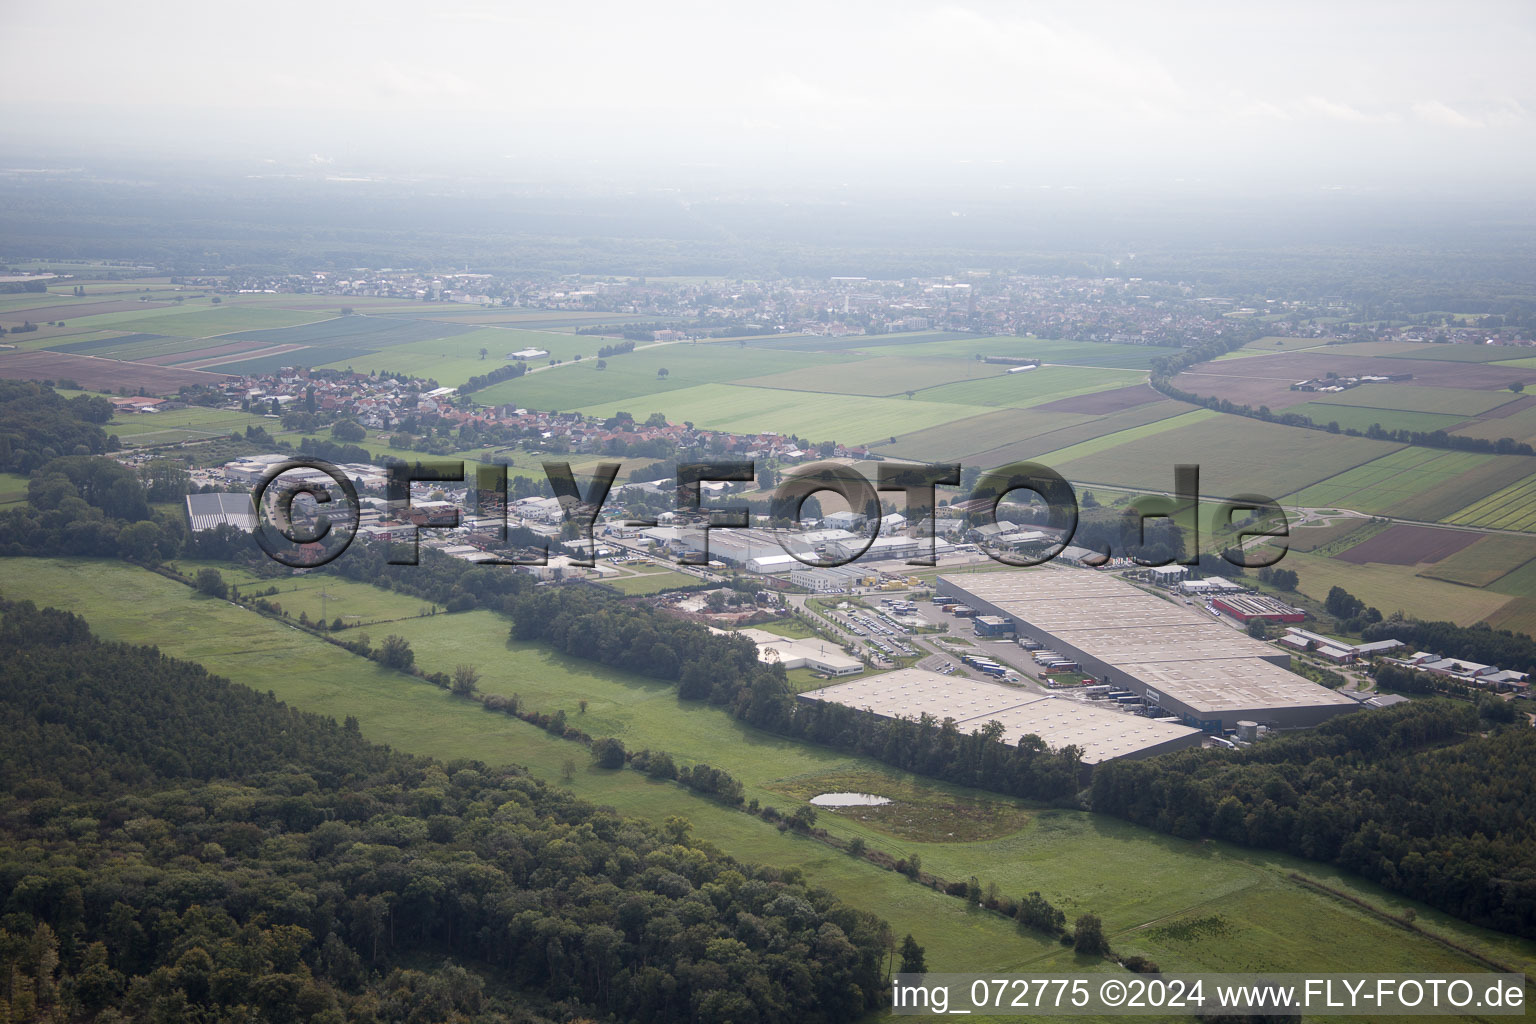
<point>849,800</point>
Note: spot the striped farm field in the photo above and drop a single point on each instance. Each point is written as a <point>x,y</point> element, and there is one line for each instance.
<point>1383,483</point>
<point>1020,390</point>
<point>1069,353</point>
<point>1354,417</point>
<point>1463,401</point>
<point>817,417</point>
<point>1391,588</point>
<point>1487,560</point>
<point>1518,426</point>
<point>1235,455</point>
<point>881,375</point>
<point>1513,508</point>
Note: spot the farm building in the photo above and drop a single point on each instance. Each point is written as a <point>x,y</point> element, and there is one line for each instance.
<point>1102,734</point>
<point>1171,656</point>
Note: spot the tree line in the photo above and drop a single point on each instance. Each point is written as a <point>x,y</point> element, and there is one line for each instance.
<point>724,670</point>
<point>1427,799</point>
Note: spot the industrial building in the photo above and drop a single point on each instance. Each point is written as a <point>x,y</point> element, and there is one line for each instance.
<point>830,580</point>
<point>210,511</point>
<point>1247,608</point>
<point>816,655</point>
<point>1102,734</point>
<point>1174,657</point>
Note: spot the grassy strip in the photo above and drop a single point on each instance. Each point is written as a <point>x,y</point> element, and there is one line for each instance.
<point>1401,921</point>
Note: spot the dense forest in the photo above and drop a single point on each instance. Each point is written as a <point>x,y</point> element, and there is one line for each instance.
<point>177,847</point>
<point>1417,798</point>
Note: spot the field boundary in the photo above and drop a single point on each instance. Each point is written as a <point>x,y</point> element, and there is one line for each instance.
<point>1405,923</point>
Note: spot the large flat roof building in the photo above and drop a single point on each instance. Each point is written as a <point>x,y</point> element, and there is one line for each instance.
<point>1101,733</point>
<point>225,508</point>
<point>1177,658</point>
<point>812,653</point>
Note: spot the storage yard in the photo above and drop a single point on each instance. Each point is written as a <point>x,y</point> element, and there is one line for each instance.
<point>1101,733</point>
<point>1170,655</point>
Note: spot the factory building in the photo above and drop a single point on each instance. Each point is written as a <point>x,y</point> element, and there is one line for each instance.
<point>1172,656</point>
<point>814,654</point>
<point>210,511</point>
<point>1101,734</point>
<point>1246,608</point>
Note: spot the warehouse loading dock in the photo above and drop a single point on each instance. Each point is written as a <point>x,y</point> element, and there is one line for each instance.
<point>1207,674</point>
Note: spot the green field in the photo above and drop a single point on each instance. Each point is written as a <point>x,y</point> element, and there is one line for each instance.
<point>1392,588</point>
<point>1484,562</point>
<point>962,438</point>
<point>1070,353</point>
<point>1353,417</point>
<point>1387,482</point>
<point>13,488</point>
<point>1143,884</point>
<point>880,375</point>
<point>142,428</point>
<point>652,583</point>
<point>1409,398</point>
<point>817,417</point>
<point>1073,429</point>
<point>201,320</point>
<point>1033,387</point>
<point>1519,426</point>
<point>1235,454</point>
<point>1513,508</point>
<point>1109,441</point>
<point>635,375</point>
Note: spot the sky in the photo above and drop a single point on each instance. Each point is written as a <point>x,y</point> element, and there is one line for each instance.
<point>1390,96</point>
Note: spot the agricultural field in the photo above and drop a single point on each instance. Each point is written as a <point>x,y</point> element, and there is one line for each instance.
<point>1235,455</point>
<point>1393,588</point>
<point>1067,430</point>
<point>652,583</point>
<point>1484,562</point>
<point>20,309</point>
<point>1513,508</point>
<point>817,417</point>
<point>1312,538</point>
<point>1403,396</point>
<point>1350,417</point>
<point>191,423</point>
<point>1412,482</point>
<point>1068,353</point>
<point>105,375</point>
<point>1099,403</point>
<point>1408,545</point>
<point>964,439</point>
<point>879,375</point>
<point>1518,424</point>
<point>1020,390</point>
<point>637,375</point>
<point>201,321</point>
<point>1267,380</point>
<point>1157,894</point>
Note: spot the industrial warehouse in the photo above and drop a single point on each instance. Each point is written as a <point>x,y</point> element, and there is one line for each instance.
<point>1100,733</point>
<point>1170,655</point>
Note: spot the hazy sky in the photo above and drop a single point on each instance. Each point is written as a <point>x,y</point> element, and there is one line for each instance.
<point>1351,93</point>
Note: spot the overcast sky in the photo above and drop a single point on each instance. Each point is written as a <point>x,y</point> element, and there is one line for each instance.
<point>1359,94</point>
